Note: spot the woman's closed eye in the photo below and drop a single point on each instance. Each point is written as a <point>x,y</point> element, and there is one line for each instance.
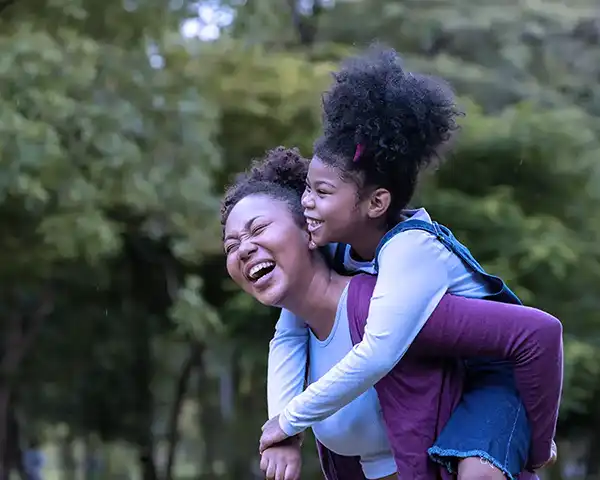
<point>233,245</point>
<point>230,247</point>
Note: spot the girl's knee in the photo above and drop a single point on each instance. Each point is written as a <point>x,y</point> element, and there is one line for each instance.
<point>476,468</point>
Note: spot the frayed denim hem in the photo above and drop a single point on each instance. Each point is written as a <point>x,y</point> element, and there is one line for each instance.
<point>442,456</point>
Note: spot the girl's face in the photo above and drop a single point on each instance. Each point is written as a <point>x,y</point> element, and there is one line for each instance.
<point>332,207</point>
<point>267,251</point>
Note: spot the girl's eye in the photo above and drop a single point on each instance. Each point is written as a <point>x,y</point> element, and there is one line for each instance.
<point>322,192</point>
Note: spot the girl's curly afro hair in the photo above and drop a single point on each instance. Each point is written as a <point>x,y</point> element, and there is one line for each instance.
<point>398,120</point>
<point>281,175</point>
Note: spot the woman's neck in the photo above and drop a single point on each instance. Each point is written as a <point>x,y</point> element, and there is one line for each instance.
<point>316,300</point>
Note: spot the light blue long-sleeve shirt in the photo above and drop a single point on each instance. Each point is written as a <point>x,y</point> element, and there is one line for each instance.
<point>415,271</point>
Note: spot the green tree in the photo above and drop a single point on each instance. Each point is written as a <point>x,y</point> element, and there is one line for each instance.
<point>107,152</point>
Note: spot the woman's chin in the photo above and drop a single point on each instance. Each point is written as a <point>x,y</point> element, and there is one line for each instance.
<point>272,297</point>
<point>272,292</point>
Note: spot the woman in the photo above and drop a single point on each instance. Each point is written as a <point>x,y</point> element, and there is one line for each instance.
<point>266,243</point>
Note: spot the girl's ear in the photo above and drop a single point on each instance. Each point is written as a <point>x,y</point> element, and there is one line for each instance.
<point>379,203</point>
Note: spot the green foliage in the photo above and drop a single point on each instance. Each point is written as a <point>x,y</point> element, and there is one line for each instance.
<point>117,137</point>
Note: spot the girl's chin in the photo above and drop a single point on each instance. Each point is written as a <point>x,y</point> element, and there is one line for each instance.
<point>321,238</point>
<point>317,241</point>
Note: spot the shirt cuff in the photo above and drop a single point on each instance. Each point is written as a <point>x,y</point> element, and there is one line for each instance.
<point>286,425</point>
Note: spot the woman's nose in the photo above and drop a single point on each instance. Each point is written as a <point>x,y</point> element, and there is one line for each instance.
<point>246,249</point>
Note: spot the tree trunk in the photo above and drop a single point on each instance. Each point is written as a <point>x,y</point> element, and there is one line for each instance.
<point>19,334</point>
<point>14,458</point>
<point>185,373</point>
<point>67,457</point>
<point>142,374</point>
<point>4,405</point>
<point>592,465</point>
<point>93,465</point>
<point>306,25</point>
<point>210,422</point>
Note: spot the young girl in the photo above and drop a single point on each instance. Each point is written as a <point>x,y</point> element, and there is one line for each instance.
<point>382,127</point>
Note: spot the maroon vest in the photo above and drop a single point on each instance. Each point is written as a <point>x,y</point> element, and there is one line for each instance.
<point>417,399</point>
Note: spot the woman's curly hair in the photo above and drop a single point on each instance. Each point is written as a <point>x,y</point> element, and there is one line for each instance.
<point>281,175</point>
<point>398,120</point>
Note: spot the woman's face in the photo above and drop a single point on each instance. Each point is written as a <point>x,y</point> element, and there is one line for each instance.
<point>331,204</point>
<point>267,251</point>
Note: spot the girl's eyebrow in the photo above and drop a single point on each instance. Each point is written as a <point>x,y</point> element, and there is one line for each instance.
<point>325,182</point>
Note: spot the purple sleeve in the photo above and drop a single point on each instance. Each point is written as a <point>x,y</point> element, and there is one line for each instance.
<point>532,339</point>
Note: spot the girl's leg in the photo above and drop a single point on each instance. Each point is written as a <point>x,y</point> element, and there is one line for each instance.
<point>488,435</point>
<point>475,468</point>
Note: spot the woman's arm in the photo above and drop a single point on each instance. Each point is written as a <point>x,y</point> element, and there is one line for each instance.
<point>530,338</point>
<point>286,372</point>
<point>412,279</point>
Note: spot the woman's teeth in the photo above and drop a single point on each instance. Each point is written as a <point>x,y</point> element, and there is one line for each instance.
<point>261,269</point>
<point>313,223</point>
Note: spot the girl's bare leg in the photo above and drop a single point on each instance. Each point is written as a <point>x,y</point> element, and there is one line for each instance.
<point>475,468</point>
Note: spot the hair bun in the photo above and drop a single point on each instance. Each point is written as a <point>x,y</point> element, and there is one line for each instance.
<point>280,174</point>
<point>285,167</point>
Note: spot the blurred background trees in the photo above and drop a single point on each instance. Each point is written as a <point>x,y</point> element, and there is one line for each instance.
<point>126,352</point>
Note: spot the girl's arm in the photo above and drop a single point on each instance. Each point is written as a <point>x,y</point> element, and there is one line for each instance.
<point>412,279</point>
<point>286,370</point>
<point>530,338</point>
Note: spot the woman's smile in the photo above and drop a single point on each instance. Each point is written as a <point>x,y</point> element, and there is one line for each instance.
<point>260,273</point>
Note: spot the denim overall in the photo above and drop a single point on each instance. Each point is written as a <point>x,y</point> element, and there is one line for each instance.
<point>490,421</point>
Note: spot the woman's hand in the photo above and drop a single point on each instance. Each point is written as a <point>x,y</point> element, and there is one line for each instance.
<point>282,462</point>
<point>271,434</point>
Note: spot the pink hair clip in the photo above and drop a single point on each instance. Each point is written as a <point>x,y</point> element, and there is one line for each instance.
<point>358,152</point>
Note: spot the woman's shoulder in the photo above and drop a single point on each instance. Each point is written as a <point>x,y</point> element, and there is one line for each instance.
<point>361,288</point>
<point>360,291</point>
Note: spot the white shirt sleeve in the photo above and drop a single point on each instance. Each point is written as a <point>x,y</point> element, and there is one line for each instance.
<point>413,277</point>
<point>286,371</point>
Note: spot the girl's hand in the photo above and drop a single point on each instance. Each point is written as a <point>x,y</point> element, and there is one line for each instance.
<point>553,456</point>
<point>271,434</point>
<point>282,462</point>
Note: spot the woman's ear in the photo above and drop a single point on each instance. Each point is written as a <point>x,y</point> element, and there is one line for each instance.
<point>379,203</point>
